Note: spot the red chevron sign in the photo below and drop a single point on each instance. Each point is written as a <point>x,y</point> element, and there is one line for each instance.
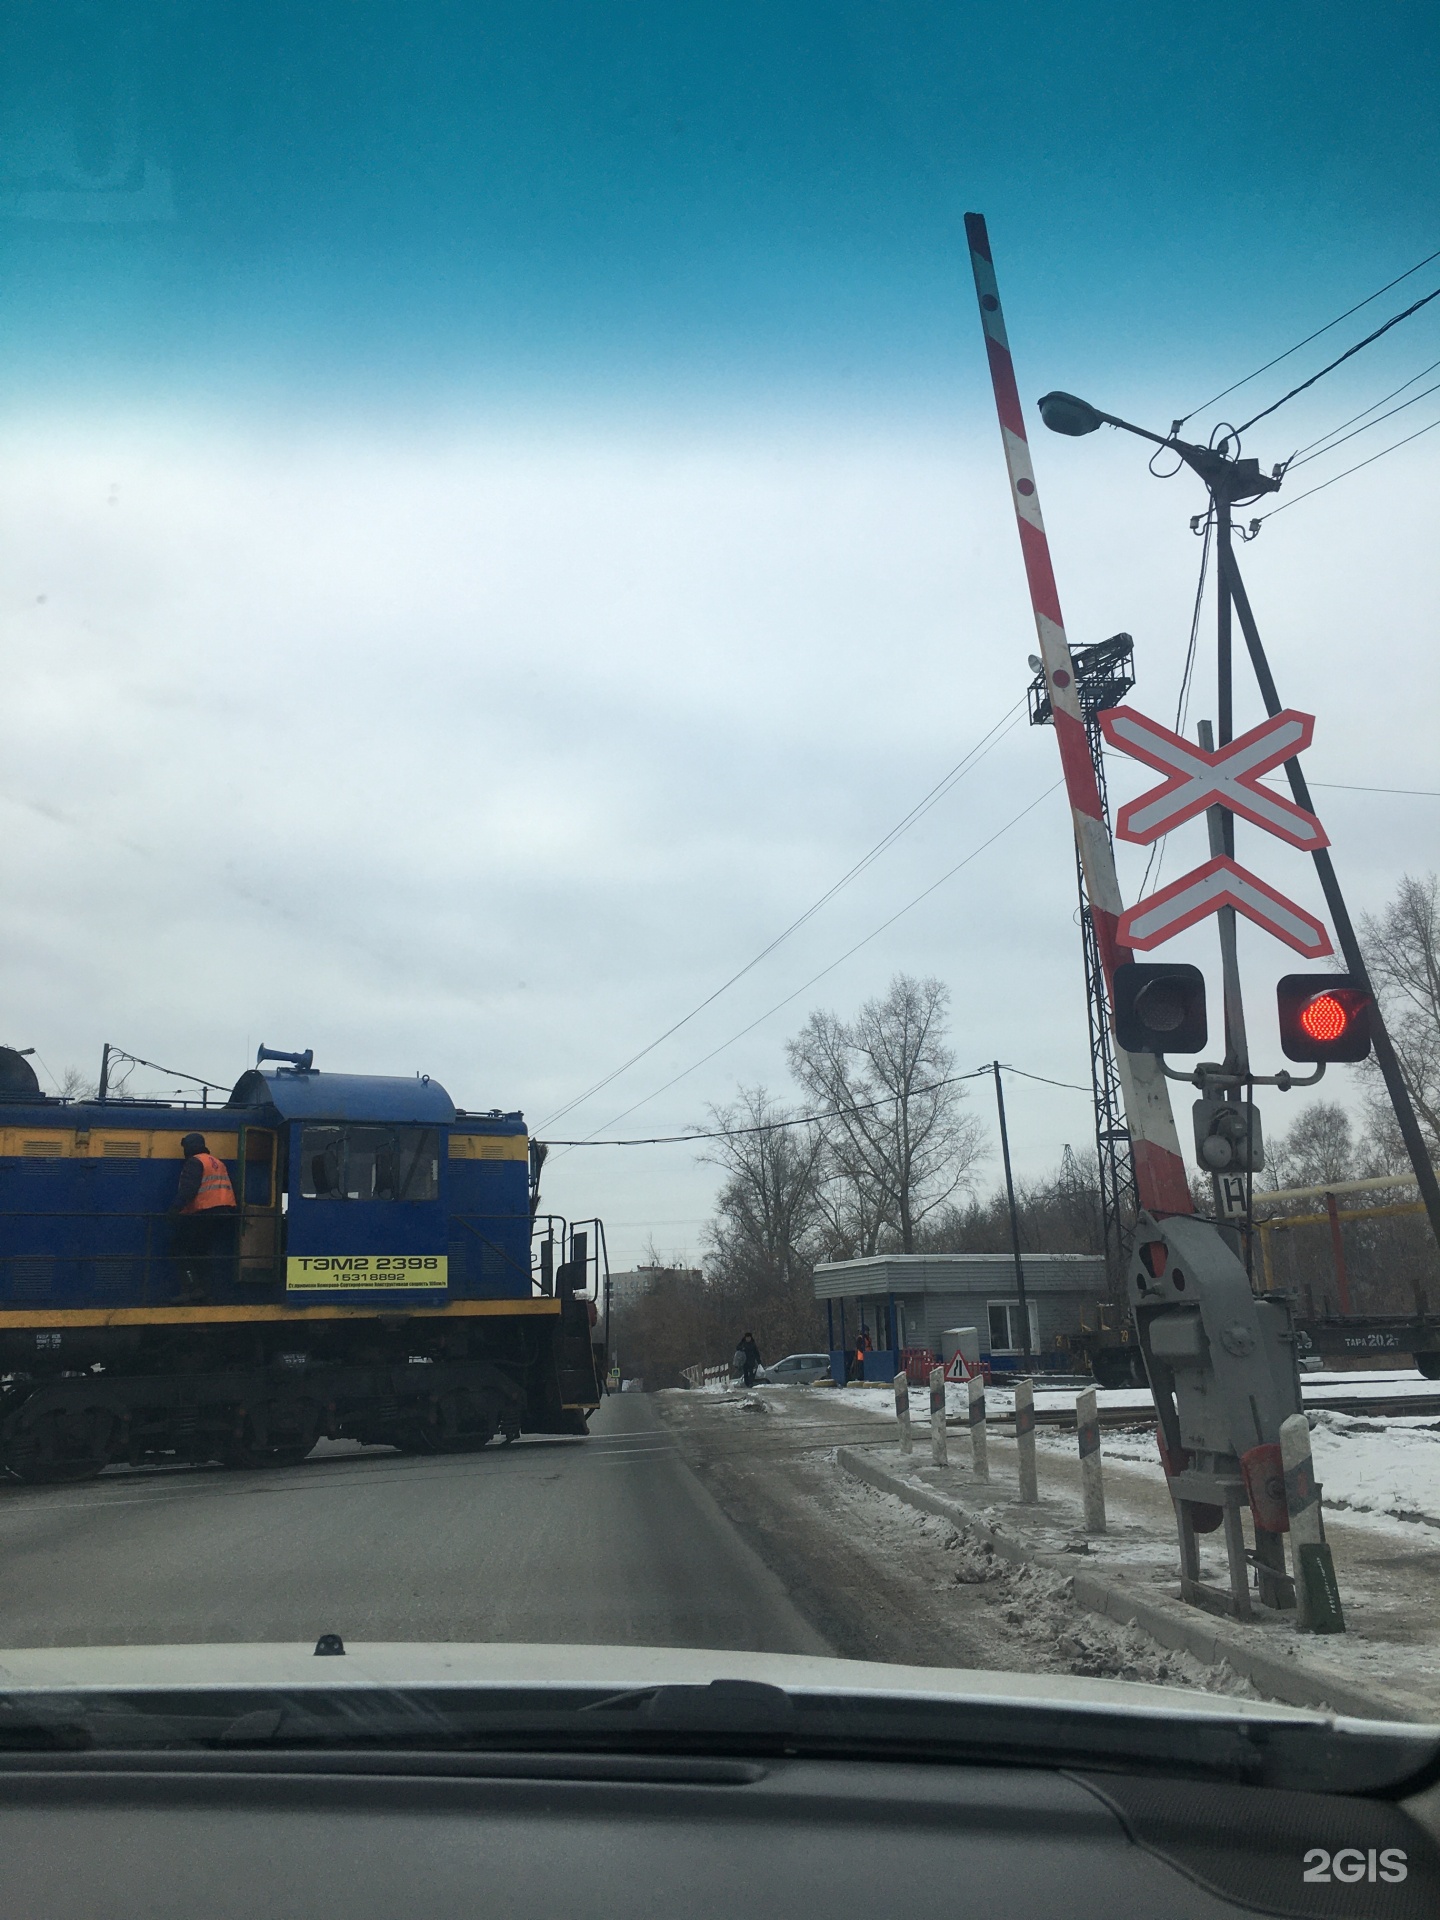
<point>1228,776</point>
<point>1222,883</point>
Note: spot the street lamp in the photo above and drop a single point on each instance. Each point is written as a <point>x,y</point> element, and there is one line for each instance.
<point>1230,481</point>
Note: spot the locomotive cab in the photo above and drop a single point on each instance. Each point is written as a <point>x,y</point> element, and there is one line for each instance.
<point>355,1173</point>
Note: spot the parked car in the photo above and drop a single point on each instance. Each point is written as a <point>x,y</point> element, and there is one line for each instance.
<point>796,1370</point>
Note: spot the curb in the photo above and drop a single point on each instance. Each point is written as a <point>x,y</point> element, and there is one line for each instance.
<point>1183,1629</point>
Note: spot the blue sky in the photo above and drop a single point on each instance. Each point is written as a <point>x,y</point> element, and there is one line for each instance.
<point>583,199</point>
<point>502,511</point>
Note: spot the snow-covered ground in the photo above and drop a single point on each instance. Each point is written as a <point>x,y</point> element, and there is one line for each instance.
<point>1381,1479</point>
<point>1383,1470</point>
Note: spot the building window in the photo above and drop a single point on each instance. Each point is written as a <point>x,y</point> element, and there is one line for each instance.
<point>1006,1326</point>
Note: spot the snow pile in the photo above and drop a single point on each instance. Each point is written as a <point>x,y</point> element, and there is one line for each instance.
<point>1035,1611</point>
<point>1389,1467</point>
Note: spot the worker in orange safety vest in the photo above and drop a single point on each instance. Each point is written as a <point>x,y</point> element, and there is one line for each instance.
<point>204,1207</point>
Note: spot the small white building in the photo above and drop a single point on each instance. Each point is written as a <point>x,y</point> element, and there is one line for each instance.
<point>910,1299</point>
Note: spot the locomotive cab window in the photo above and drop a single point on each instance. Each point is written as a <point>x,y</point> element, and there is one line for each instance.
<point>370,1163</point>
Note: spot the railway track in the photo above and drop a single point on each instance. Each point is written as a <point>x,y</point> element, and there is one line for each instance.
<point>1395,1406</point>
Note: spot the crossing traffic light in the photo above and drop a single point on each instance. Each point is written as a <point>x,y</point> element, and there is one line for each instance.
<point>1323,1016</point>
<point>1159,1008</point>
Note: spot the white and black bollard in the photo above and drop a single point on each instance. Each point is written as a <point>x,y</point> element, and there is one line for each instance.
<point>939,1444</point>
<point>1317,1597</point>
<point>902,1411</point>
<point>1025,1441</point>
<point>979,1451</point>
<point>1092,1473</point>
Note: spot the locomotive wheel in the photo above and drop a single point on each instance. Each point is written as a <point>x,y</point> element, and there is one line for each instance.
<point>69,1444</point>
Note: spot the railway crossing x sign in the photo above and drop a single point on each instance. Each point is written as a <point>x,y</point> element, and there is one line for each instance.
<point>1222,883</point>
<point>1199,778</point>
<point>1227,776</point>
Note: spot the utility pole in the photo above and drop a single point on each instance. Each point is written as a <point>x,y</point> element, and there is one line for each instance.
<point>1231,481</point>
<point>1014,1216</point>
<point>1400,1101</point>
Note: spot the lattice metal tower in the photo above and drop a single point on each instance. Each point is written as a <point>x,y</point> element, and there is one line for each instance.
<point>1104,674</point>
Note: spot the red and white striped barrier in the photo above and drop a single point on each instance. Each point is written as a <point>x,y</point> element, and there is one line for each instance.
<point>1159,1169</point>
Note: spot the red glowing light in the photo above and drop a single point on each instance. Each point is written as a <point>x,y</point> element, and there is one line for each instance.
<point>1324,1018</point>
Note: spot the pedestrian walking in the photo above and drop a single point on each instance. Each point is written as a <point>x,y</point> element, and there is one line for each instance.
<point>751,1356</point>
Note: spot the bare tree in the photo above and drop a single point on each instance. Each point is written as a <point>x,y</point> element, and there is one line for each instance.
<point>75,1085</point>
<point>1402,950</point>
<point>898,1146</point>
<point>1316,1151</point>
<point>767,1211</point>
<point>1058,1212</point>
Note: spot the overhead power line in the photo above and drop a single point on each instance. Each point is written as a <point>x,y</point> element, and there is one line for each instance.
<point>1349,354</point>
<point>1394,447</point>
<point>874,934</point>
<point>1320,454</point>
<point>1073,1086</point>
<point>983,745</point>
<point>773,1126</point>
<point>1236,385</point>
<point>1298,457</point>
<point>1414,793</point>
<point>814,1119</point>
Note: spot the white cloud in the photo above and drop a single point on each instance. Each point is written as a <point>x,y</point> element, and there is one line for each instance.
<point>491,749</point>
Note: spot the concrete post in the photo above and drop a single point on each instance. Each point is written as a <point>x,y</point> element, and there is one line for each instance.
<point>939,1445</point>
<point>902,1411</point>
<point>979,1452</point>
<point>1025,1441</point>
<point>1317,1598</point>
<point>1092,1473</point>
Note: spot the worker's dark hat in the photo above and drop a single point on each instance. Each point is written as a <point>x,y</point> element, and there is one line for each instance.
<point>193,1143</point>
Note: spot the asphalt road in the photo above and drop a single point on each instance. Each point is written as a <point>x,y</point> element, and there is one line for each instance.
<point>606,1540</point>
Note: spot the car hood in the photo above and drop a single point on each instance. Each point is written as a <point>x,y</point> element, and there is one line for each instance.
<point>400,1664</point>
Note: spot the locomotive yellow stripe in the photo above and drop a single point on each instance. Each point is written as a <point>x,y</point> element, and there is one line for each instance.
<point>489,1146</point>
<point>218,1316</point>
<point>131,1143</point>
<point>144,1143</point>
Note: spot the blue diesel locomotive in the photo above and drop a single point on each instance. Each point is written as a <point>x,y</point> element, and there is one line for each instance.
<point>384,1275</point>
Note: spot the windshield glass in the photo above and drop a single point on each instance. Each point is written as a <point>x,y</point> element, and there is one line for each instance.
<point>712,716</point>
<point>369,1163</point>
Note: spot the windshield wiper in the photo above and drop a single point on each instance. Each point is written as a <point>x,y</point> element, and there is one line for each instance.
<point>729,1719</point>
